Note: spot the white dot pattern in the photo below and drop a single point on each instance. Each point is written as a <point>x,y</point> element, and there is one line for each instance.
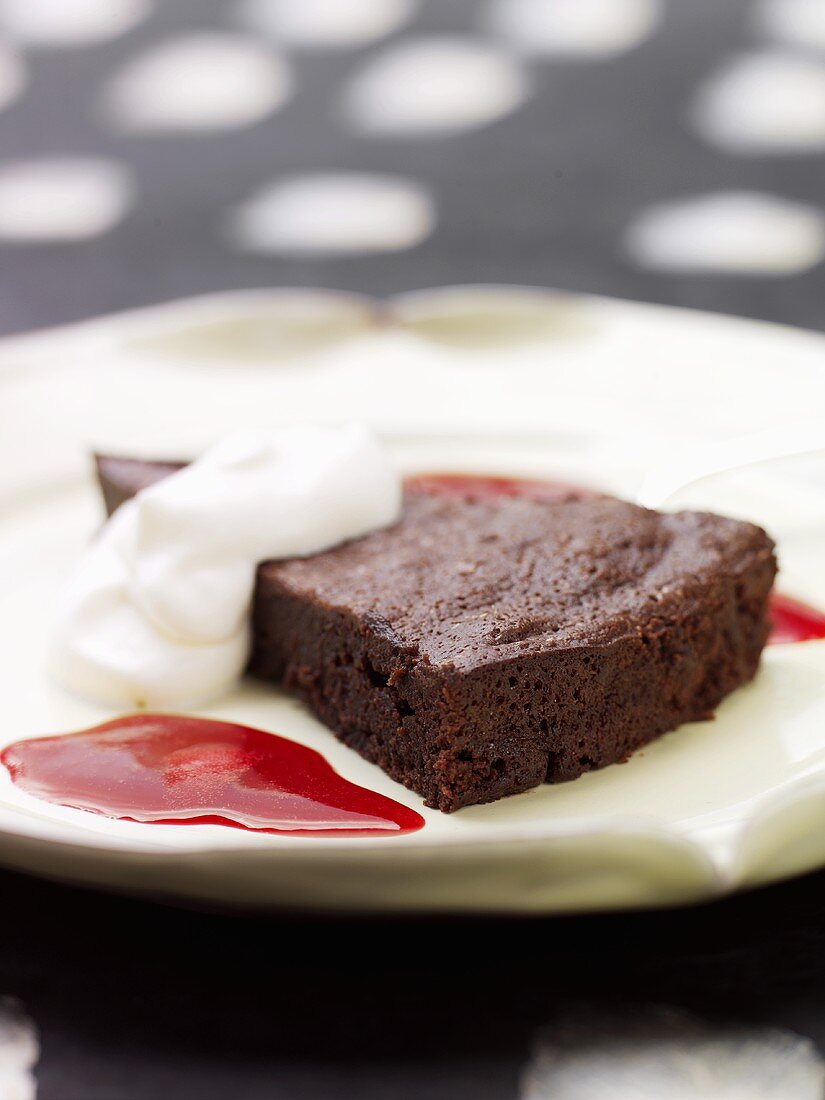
<point>19,1051</point>
<point>580,28</point>
<point>650,1053</point>
<point>742,233</point>
<point>335,213</point>
<point>348,123</point>
<point>198,82</point>
<point>795,22</point>
<point>436,85</point>
<point>325,24</point>
<point>68,23</point>
<point>763,103</point>
<point>62,198</point>
<point>12,76</point>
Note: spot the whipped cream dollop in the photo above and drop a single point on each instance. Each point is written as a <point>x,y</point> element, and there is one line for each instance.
<point>157,614</point>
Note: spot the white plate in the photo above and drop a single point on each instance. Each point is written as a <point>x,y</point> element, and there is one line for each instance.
<point>502,379</point>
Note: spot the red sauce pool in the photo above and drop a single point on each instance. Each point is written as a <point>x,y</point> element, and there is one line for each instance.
<point>169,769</point>
<point>794,621</point>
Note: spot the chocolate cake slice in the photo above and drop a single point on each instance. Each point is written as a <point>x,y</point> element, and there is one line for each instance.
<point>483,646</point>
<point>121,478</point>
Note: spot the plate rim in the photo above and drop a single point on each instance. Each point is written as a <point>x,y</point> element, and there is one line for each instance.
<point>24,350</point>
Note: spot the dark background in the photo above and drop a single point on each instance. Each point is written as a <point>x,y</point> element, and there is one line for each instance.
<point>137,1001</point>
<point>540,197</point>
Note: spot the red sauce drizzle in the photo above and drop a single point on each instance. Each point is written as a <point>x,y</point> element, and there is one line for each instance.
<point>169,769</point>
<point>794,621</point>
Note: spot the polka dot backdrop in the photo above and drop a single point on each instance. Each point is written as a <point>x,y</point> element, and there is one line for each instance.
<point>664,150</point>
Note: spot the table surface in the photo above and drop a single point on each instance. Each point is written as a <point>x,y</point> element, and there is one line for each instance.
<point>136,1000</point>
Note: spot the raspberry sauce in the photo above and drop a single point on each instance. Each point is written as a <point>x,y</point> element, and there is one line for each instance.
<point>170,769</point>
<point>794,621</point>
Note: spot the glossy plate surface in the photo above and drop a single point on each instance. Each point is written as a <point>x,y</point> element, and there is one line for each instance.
<point>504,380</point>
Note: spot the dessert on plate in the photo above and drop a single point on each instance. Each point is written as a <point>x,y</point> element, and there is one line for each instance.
<point>486,642</point>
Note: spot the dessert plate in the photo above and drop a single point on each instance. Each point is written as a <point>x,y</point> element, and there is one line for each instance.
<point>496,379</point>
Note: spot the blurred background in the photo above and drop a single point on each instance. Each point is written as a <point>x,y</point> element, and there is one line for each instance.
<point>665,150</point>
